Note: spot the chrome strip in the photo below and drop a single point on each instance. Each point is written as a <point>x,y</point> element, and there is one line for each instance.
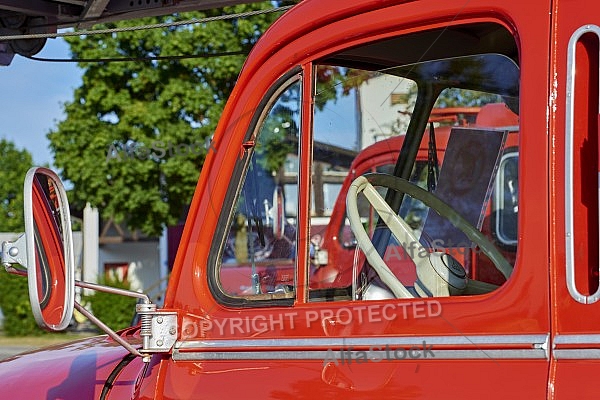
<point>577,339</point>
<point>317,348</point>
<point>577,353</point>
<point>525,340</point>
<point>380,355</point>
<point>569,130</point>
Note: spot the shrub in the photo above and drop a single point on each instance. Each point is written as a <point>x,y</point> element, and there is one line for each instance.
<point>114,310</point>
<point>14,302</point>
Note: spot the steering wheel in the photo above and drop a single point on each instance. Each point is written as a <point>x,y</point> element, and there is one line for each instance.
<point>438,273</point>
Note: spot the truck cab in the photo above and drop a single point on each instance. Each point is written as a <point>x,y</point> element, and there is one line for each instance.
<point>343,241</point>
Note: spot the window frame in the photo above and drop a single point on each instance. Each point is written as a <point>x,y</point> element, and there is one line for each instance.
<point>225,219</point>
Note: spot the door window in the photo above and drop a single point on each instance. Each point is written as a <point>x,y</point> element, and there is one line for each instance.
<point>258,256</point>
<point>429,132</point>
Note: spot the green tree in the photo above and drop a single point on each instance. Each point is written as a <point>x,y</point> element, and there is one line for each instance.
<point>133,140</point>
<point>14,302</point>
<point>14,164</point>
<point>14,299</point>
<point>454,97</point>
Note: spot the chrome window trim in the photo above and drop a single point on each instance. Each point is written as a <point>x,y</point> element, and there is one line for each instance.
<point>569,132</point>
<point>499,198</point>
<point>216,258</point>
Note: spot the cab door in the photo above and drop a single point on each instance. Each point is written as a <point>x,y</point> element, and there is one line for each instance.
<point>497,341</point>
<point>252,323</point>
<point>574,196</point>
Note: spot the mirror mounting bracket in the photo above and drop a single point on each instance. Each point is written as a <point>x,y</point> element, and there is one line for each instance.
<point>15,253</point>
<point>158,329</point>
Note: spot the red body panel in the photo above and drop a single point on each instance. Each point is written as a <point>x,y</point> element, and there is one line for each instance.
<point>76,370</point>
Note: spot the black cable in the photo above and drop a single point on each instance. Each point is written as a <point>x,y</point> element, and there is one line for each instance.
<point>108,385</point>
<point>222,17</point>
<point>140,59</point>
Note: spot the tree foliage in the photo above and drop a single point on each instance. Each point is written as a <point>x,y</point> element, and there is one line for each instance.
<point>14,301</point>
<point>14,298</point>
<point>454,97</point>
<point>133,140</point>
<point>334,82</point>
<point>14,164</point>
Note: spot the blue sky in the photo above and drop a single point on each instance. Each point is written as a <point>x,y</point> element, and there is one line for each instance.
<point>32,94</point>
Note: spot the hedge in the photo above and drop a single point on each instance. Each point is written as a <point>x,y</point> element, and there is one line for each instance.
<point>114,310</point>
<point>14,302</point>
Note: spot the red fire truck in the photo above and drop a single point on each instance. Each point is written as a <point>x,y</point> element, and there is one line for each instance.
<point>498,221</point>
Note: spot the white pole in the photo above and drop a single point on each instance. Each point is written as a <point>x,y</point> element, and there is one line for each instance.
<point>91,232</point>
<point>163,255</point>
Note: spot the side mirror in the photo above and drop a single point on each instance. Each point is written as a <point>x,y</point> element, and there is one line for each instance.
<point>49,247</point>
<point>45,255</point>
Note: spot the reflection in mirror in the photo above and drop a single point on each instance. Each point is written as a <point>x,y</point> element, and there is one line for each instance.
<point>49,249</point>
